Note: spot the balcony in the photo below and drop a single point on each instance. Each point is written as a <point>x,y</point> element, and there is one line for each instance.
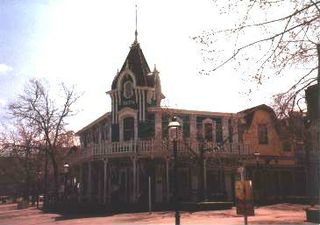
<point>156,148</point>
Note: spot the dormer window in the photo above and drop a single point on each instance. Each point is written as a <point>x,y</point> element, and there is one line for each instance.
<point>263,134</point>
<point>128,89</point>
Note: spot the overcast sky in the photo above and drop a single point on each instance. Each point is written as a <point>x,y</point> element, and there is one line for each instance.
<point>84,42</point>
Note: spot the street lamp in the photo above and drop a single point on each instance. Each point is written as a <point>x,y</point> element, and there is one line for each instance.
<point>39,173</point>
<point>257,155</point>
<point>65,171</point>
<point>173,127</point>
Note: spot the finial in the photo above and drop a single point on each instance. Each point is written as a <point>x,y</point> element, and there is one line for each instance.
<point>136,32</point>
<point>154,67</point>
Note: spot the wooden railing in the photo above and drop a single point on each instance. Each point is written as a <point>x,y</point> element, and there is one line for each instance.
<point>153,147</point>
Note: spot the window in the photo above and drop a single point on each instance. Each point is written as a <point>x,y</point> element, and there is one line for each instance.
<point>104,130</point>
<point>230,131</point>
<point>84,140</point>
<point>208,131</point>
<point>219,132</point>
<point>128,128</point>
<point>263,134</point>
<point>101,133</point>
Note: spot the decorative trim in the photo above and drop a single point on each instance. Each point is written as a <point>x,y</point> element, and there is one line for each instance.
<point>127,71</point>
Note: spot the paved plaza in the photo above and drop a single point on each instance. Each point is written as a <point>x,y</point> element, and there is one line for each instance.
<point>273,214</point>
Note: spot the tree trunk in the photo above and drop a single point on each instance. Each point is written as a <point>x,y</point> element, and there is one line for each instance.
<point>55,173</point>
<point>27,181</point>
<point>318,78</point>
<point>46,200</point>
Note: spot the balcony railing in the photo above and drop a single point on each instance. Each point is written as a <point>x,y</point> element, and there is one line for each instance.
<point>154,147</point>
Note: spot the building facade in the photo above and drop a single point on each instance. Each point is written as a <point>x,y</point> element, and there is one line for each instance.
<point>126,148</point>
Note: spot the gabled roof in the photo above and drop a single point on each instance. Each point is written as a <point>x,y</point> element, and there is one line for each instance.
<point>249,113</point>
<point>95,122</point>
<point>137,63</point>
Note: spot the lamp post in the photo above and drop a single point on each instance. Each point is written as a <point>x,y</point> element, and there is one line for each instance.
<point>39,174</point>
<point>257,155</point>
<point>65,171</point>
<point>174,126</point>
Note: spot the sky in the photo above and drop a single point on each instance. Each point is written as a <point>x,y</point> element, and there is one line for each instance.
<point>84,42</point>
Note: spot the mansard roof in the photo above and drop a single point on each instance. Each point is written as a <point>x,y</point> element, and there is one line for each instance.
<point>137,64</point>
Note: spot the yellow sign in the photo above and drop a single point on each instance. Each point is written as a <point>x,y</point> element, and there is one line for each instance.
<point>244,198</point>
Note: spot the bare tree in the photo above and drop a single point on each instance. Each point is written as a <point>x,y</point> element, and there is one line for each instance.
<point>38,109</point>
<point>274,36</point>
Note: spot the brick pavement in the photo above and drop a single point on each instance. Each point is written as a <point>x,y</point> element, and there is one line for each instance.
<point>274,214</point>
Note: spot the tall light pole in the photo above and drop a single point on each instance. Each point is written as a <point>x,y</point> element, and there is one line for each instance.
<point>257,155</point>
<point>65,171</point>
<point>39,173</point>
<point>174,126</point>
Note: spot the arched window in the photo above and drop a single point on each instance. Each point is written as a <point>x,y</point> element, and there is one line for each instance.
<point>208,131</point>
<point>128,128</point>
<point>263,134</point>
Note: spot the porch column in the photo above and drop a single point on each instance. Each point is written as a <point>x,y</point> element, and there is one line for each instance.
<point>108,185</point>
<point>158,127</point>
<point>205,178</point>
<point>134,188</point>
<point>167,180</point>
<point>193,128</point>
<point>225,130</point>
<point>99,183</point>
<point>80,183</point>
<point>105,179</point>
<point>138,182</point>
<point>89,189</point>
<point>235,130</point>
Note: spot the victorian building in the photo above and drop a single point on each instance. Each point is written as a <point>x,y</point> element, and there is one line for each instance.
<point>123,148</point>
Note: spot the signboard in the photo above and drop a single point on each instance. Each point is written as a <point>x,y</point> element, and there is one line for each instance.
<point>244,198</point>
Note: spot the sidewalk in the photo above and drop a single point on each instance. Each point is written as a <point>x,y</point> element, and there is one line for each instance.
<point>274,214</point>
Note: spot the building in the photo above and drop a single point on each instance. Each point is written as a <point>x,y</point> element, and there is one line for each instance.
<point>123,148</point>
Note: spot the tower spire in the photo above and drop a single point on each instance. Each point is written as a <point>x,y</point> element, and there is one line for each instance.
<point>136,31</point>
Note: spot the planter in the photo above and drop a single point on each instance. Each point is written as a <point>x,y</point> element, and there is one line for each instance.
<point>313,214</point>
